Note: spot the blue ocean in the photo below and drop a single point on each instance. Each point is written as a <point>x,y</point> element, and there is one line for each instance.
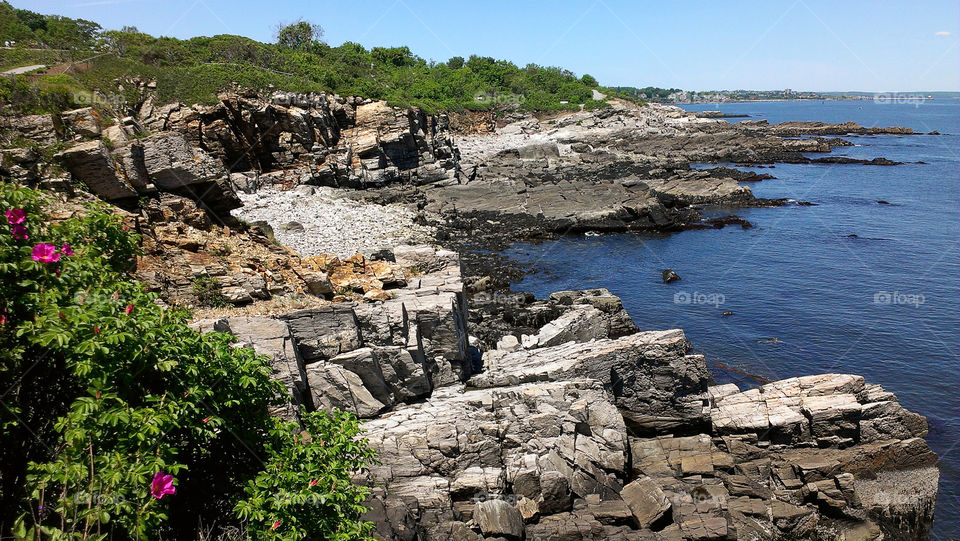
<point>849,285</point>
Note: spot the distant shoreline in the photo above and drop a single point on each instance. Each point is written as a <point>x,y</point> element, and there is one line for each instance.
<point>865,98</point>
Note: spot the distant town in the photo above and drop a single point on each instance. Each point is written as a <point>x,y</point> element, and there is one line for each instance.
<point>676,95</point>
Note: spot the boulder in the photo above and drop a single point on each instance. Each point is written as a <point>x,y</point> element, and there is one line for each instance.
<point>334,387</point>
<point>424,258</point>
<point>580,324</point>
<point>649,374</point>
<point>318,283</point>
<point>84,123</point>
<point>388,372</point>
<point>619,321</point>
<point>499,518</point>
<point>92,164</point>
<point>174,165</point>
<point>325,332</point>
<point>646,501</point>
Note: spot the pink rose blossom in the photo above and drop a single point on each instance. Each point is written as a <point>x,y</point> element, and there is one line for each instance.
<point>19,232</point>
<point>66,249</point>
<point>16,216</point>
<point>45,253</point>
<point>129,309</point>
<point>162,485</point>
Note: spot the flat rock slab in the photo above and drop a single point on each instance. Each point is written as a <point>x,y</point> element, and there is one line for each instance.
<point>649,374</point>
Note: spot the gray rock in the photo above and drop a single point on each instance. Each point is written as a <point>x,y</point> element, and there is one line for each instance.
<point>829,410</point>
<point>581,324</point>
<point>318,283</point>
<point>84,122</point>
<point>325,332</point>
<point>91,163</point>
<point>44,129</point>
<point>550,432</point>
<point>497,517</point>
<point>173,163</point>
<point>651,377</point>
<point>646,500</point>
<point>389,373</point>
<point>333,387</point>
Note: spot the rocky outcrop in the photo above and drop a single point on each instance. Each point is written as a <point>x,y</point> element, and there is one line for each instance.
<point>562,317</point>
<point>616,169</point>
<point>572,424</point>
<point>92,164</point>
<point>581,427</point>
<point>316,139</point>
<point>648,374</point>
<point>369,355</point>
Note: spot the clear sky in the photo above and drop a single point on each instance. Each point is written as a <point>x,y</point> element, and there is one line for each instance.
<point>880,46</point>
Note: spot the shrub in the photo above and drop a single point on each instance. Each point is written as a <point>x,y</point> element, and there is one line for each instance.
<point>106,390</point>
<point>207,291</point>
<point>305,490</point>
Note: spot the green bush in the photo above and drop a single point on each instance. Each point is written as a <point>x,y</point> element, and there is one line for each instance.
<point>207,291</point>
<point>105,389</point>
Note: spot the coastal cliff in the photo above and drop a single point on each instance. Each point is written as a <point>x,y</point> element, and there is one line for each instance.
<point>495,415</point>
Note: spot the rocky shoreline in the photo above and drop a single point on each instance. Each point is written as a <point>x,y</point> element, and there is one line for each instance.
<point>495,415</point>
<point>580,426</point>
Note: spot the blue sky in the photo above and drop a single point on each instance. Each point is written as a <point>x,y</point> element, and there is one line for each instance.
<point>800,44</point>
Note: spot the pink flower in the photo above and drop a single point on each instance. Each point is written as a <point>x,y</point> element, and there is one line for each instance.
<point>66,249</point>
<point>275,525</point>
<point>45,253</point>
<point>162,485</point>
<point>19,232</point>
<point>129,309</point>
<point>16,216</point>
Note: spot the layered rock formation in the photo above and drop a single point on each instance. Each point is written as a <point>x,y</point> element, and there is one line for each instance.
<point>579,426</point>
<point>316,139</point>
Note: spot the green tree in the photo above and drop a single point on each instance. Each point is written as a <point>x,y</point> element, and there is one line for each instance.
<point>589,81</point>
<point>299,35</point>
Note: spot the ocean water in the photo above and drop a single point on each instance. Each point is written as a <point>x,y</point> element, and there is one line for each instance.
<point>806,296</point>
